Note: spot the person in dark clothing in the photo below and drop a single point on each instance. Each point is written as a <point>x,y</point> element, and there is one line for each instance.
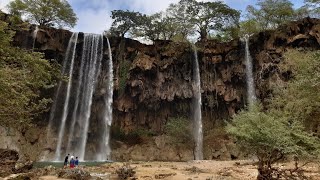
<point>76,162</point>
<point>65,164</point>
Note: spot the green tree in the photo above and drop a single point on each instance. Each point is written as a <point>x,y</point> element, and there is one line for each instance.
<point>314,7</point>
<point>207,16</point>
<point>302,12</point>
<point>271,13</point>
<point>249,27</point>
<point>299,99</point>
<point>50,13</point>
<point>179,129</point>
<point>272,138</point>
<point>23,76</point>
<point>159,26</point>
<point>126,22</point>
<point>180,20</point>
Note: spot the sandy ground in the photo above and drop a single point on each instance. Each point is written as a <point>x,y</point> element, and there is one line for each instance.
<point>193,170</point>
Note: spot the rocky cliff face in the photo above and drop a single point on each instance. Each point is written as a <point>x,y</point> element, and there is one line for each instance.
<point>153,83</point>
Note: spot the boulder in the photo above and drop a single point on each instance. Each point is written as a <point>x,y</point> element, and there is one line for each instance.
<point>8,159</point>
<point>23,167</point>
<point>78,174</point>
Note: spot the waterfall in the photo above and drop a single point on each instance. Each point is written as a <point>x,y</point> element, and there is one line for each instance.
<point>34,36</point>
<point>251,96</point>
<point>105,149</point>
<point>70,56</point>
<point>197,118</point>
<point>76,110</point>
<point>55,99</point>
<point>89,70</point>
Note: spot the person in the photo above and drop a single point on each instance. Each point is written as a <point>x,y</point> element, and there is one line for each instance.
<point>76,162</point>
<point>65,164</point>
<point>72,162</point>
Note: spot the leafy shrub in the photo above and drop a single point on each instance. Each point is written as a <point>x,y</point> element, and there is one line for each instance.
<point>24,76</point>
<point>271,138</point>
<point>133,137</point>
<point>123,75</point>
<point>179,129</point>
<point>299,98</point>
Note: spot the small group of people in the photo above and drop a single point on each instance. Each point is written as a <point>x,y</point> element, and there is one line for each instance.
<point>74,162</point>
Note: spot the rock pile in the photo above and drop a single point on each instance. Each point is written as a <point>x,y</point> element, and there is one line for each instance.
<point>8,159</point>
<point>78,174</point>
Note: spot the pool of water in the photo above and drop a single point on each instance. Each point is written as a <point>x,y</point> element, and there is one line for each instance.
<point>43,164</point>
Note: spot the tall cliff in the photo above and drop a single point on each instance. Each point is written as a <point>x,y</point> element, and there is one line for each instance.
<point>153,83</point>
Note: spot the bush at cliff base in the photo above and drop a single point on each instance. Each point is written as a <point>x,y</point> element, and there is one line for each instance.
<point>272,138</point>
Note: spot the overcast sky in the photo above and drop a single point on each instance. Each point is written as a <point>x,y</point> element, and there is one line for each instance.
<point>94,15</point>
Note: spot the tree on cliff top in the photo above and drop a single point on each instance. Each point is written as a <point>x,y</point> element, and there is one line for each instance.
<point>207,16</point>
<point>125,21</point>
<point>49,13</point>
<point>314,7</point>
<point>271,13</point>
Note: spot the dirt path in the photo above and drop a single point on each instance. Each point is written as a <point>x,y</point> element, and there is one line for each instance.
<point>206,170</point>
<point>193,170</point>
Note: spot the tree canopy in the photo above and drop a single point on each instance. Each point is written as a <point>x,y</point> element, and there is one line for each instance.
<point>289,123</point>
<point>212,19</point>
<point>23,76</point>
<point>181,19</point>
<point>125,21</point>
<point>209,16</point>
<point>314,7</point>
<point>271,138</point>
<point>50,13</point>
<point>300,98</point>
<point>271,13</point>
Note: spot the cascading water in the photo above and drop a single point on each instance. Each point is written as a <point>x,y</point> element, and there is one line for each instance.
<point>105,149</point>
<point>89,70</point>
<point>69,55</point>
<point>197,118</point>
<point>76,111</point>
<point>34,36</point>
<point>55,99</point>
<point>251,96</point>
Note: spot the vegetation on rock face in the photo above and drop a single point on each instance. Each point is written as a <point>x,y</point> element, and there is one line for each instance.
<point>124,67</point>
<point>280,131</point>
<point>179,129</point>
<point>23,76</point>
<point>57,13</point>
<point>300,99</point>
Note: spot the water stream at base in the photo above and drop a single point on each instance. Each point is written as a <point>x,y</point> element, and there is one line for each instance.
<point>69,55</point>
